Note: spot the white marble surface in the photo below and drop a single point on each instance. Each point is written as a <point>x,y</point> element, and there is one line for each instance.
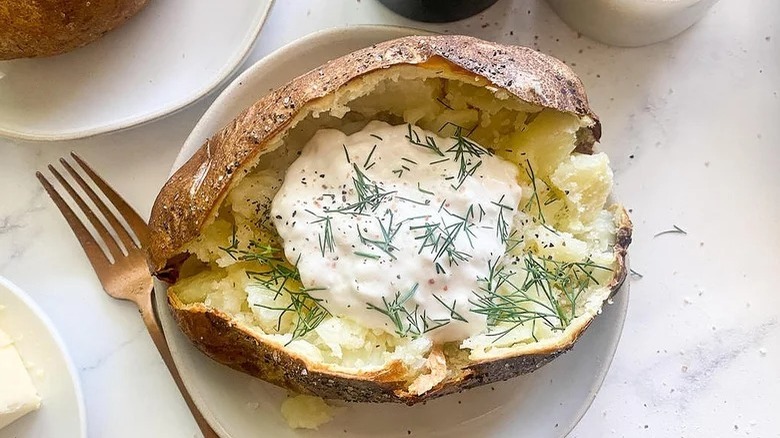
<point>692,126</point>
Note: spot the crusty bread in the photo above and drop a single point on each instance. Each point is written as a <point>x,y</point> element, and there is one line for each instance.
<point>267,133</point>
<point>50,27</point>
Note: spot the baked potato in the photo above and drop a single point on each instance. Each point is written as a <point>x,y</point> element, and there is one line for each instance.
<point>413,219</point>
<point>50,27</point>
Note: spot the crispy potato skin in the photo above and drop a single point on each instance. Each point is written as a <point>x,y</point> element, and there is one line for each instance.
<point>180,213</point>
<point>50,27</point>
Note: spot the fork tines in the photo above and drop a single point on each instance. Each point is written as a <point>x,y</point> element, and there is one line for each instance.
<point>118,239</point>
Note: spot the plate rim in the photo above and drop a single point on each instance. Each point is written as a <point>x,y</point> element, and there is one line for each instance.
<point>623,294</point>
<point>220,79</point>
<point>620,302</point>
<point>63,350</point>
<point>269,58</point>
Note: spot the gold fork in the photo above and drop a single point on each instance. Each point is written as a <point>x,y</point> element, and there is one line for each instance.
<point>125,275</point>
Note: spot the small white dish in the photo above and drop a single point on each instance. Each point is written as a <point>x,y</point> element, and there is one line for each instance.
<point>548,402</point>
<point>631,23</point>
<point>53,374</point>
<point>169,55</point>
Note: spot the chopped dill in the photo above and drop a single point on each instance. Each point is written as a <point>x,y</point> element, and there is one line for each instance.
<point>346,153</point>
<point>674,230</point>
<point>427,192</point>
<point>326,240</point>
<point>549,293</point>
<point>410,322</point>
<point>535,196</point>
<point>502,226</point>
<point>430,142</point>
<point>368,158</point>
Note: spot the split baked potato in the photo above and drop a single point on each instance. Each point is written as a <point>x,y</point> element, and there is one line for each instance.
<point>283,302</point>
<point>50,27</point>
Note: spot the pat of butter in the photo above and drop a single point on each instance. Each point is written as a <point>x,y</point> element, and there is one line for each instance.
<point>18,396</point>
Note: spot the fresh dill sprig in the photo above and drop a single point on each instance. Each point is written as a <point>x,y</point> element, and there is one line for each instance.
<point>366,255</point>
<point>515,306</point>
<point>400,171</point>
<point>231,250</point>
<point>326,240</point>
<point>458,129</point>
<point>346,153</point>
<point>255,252</point>
<point>430,324</point>
<point>441,238</point>
<point>396,310</point>
<point>535,195</point>
<point>426,202</point>
<point>551,197</point>
<point>464,172</point>
<point>370,194</point>
<point>453,313</point>
<point>507,303</point>
<point>430,237</point>
<point>674,230</point>
<point>385,244</point>
<point>502,226</point>
<point>550,229</point>
<point>261,252</point>
<point>465,152</point>
<point>512,241</point>
<point>309,312</point>
<point>411,322</point>
<point>430,142</point>
<point>368,158</point>
<point>465,223</point>
<point>276,277</point>
<point>427,192</point>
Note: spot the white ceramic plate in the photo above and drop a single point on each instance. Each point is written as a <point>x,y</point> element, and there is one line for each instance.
<point>166,57</point>
<point>548,402</point>
<point>53,374</point>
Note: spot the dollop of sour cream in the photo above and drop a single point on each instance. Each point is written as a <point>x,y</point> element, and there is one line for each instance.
<point>394,226</point>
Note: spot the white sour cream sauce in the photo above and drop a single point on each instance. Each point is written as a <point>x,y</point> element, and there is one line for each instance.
<point>394,235</point>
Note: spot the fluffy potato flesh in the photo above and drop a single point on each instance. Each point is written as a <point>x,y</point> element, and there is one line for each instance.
<point>564,247</point>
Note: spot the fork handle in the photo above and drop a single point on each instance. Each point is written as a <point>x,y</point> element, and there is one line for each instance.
<point>155,331</point>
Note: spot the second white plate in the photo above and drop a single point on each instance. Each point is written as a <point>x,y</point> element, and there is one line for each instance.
<point>53,374</point>
<point>548,402</point>
<point>166,57</point>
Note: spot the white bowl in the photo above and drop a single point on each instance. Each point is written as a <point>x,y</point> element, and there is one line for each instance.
<point>548,402</point>
<point>631,23</point>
